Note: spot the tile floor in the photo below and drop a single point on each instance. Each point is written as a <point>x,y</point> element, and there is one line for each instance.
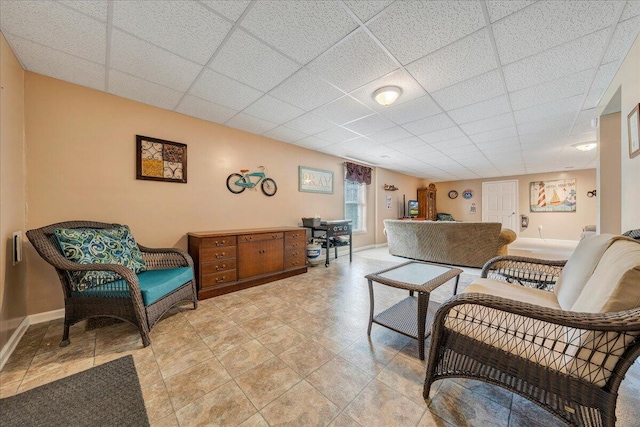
<point>293,352</point>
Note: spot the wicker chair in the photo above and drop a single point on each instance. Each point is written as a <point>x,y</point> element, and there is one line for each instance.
<point>569,363</point>
<point>111,302</point>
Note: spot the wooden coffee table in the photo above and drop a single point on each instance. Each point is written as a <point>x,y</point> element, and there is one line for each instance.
<point>409,316</point>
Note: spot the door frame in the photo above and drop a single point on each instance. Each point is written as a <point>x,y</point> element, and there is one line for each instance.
<point>517,201</point>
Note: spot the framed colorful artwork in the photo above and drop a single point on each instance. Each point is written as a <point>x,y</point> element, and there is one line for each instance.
<point>553,196</point>
<point>633,123</point>
<point>160,160</point>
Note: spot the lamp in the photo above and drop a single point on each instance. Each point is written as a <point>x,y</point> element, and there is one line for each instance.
<point>586,146</point>
<point>387,95</point>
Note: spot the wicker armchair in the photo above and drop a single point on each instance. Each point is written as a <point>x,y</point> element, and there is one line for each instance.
<point>126,302</point>
<point>570,363</point>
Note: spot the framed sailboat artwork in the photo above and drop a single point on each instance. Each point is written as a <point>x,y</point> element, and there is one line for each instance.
<point>553,196</point>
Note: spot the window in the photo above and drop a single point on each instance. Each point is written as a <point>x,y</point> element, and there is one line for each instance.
<point>355,205</point>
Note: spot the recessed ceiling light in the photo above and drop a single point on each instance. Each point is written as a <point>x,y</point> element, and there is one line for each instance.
<point>586,146</point>
<point>387,95</point>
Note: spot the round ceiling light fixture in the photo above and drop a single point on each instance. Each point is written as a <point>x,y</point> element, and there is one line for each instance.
<point>387,95</point>
<point>587,146</point>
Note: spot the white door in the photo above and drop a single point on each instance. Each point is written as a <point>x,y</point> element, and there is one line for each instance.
<point>500,203</point>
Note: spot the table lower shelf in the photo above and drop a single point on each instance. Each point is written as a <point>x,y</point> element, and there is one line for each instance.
<point>402,317</point>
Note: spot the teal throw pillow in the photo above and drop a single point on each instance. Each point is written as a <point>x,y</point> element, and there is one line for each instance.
<point>444,217</point>
<point>99,246</point>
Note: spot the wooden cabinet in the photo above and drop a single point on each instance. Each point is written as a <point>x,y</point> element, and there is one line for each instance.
<point>427,202</point>
<point>227,261</point>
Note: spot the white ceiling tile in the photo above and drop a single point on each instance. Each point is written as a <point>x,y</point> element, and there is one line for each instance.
<point>367,9</point>
<point>630,10</point>
<point>305,90</point>
<point>50,62</point>
<point>342,110</point>
<point>506,143</point>
<point>302,30</point>
<point>411,30</point>
<point>332,149</point>
<point>492,123</point>
<point>282,133</point>
<point>563,87</point>
<point>423,151</point>
<point>55,26</point>
<point>309,124</point>
<point>455,63</point>
<point>250,124</point>
<point>222,90</point>
<point>186,28</point>
<point>405,143</point>
<point>273,110</point>
<point>144,60</point>
<point>560,124</point>
<point>251,62</point>
<point>581,127</point>
<point>411,111</point>
<point>453,143</point>
<point>410,90</point>
<point>498,9</point>
<point>623,37</point>
<point>547,24</point>
<point>476,89</point>
<point>369,124</point>
<point>95,8</point>
<point>337,134</point>
<point>495,134</point>
<point>551,109</point>
<point>561,61</point>
<point>391,134</point>
<point>482,110</point>
<point>205,110</point>
<point>442,135</point>
<point>312,142</point>
<point>363,145</point>
<point>587,115</point>
<point>600,83</point>
<point>430,124</point>
<point>231,9</point>
<point>131,87</point>
<point>353,62</point>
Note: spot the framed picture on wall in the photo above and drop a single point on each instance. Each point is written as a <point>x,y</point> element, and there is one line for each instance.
<point>633,123</point>
<point>160,160</point>
<point>312,180</point>
<point>553,196</point>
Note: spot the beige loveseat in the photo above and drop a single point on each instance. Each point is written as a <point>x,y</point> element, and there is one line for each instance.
<point>469,244</point>
<point>561,333</point>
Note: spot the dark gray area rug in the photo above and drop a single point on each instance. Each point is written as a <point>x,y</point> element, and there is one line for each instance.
<point>106,395</point>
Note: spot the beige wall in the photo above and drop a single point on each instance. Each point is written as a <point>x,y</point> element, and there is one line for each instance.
<point>406,186</point>
<point>609,176</point>
<point>627,78</point>
<point>81,165</point>
<point>12,186</point>
<point>556,225</point>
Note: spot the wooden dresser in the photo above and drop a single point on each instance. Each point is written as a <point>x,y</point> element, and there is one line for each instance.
<point>230,260</point>
<point>427,202</point>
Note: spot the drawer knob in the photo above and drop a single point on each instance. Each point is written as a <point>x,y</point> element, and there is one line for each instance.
<point>220,243</point>
<point>220,279</point>
<point>294,245</point>
<point>220,267</point>
<point>221,254</point>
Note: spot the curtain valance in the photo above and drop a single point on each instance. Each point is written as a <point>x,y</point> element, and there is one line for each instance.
<point>357,173</point>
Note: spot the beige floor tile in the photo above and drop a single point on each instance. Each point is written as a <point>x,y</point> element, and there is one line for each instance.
<point>156,401</point>
<point>261,325</point>
<point>182,358</point>
<point>175,339</point>
<point>289,313</point>
<point>223,341</point>
<point>281,339</point>
<point>53,372</point>
<point>526,413</point>
<point>405,376</point>
<point>224,406</point>
<point>308,325</point>
<point>497,394</point>
<point>195,382</point>
<point>205,329</point>
<point>306,357</point>
<point>168,421</point>
<point>343,420</point>
<point>267,381</point>
<point>429,419</point>
<point>369,357</point>
<point>244,357</point>
<point>256,421</point>
<point>379,405</point>
<point>244,313</point>
<point>340,381</point>
<point>9,389</point>
<point>204,314</point>
<point>300,406</point>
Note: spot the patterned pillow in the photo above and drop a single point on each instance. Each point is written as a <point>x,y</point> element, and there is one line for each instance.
<point>444,217</point>
<point>99,246</point>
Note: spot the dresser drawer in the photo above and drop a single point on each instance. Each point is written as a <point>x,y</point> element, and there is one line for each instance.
<point>218,266</point>
<point>295,244</point>
<point>294,262</point>
<point>294,253</point>
<point>295,236</point>
<point>215,254</point>
<point>218,278</point>
<point>260,237</point>
<point>216,242</point>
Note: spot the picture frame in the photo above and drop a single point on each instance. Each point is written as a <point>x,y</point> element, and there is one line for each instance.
<point>160,160</point>
<point>553,195</point>
<point>633,126</point>
<point>312,180</point>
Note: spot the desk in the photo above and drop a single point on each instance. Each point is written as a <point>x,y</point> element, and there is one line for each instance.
<point>421,277</point>
<point>329,230</point>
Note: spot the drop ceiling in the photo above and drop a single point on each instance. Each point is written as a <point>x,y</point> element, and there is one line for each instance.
<point>490,88</point>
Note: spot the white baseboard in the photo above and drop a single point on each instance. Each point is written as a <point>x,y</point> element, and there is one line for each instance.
<point>381,245</point>
<point>46,316</point>
<point>361,248</point>
<point>13,341</point>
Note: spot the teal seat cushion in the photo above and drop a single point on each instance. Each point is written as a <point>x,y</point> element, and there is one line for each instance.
<point>154,284</point>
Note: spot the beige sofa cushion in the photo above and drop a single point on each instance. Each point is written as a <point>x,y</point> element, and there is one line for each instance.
<point>514,292</point>
<point>579,268</point>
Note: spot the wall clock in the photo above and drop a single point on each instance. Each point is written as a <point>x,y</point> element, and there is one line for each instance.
<point>453,194</point>
<point>467,194</point>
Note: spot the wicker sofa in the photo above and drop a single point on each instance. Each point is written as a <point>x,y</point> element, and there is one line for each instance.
<point>469,244</point>
<point>560,333</point>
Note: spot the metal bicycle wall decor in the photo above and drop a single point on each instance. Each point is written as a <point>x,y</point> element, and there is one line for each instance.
<point>238,182</point>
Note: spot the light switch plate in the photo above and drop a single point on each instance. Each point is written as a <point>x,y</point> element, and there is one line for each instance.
<point>17,247</point>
